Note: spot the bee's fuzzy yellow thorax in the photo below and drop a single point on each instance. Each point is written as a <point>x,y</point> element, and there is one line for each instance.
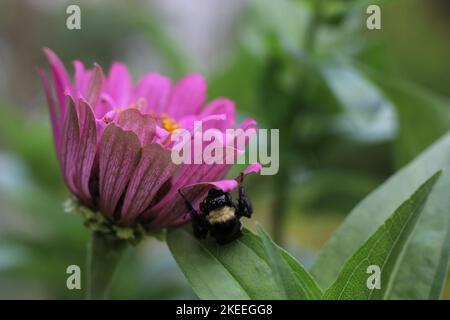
<point>221,215</point>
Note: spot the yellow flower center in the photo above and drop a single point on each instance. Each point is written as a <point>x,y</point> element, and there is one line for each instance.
<point>168,123</point>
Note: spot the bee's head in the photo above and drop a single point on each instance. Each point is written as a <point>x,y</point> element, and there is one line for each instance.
<point>216,198</point>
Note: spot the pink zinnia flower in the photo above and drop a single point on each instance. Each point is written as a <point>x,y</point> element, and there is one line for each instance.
<point>112,139</point>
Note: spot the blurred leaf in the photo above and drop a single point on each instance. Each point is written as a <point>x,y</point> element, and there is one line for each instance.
<point>284,20</point>
<point>32,218</point>
<point>237,80</point>
<point>416,46</point>
<point>292,279</point>
<point>12,255</point>
<point>318,191</point>
<point>369,115</point>
<point>383,249</point>
<point>425,258</point>
<point>423,117</point>
<point>236,270</point>
<point>31,140</point>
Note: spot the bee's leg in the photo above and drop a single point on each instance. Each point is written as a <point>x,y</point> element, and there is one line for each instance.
<point>199,224</point>
<point>244,206</point>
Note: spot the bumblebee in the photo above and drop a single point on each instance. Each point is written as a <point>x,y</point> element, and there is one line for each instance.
<point>219,215</point>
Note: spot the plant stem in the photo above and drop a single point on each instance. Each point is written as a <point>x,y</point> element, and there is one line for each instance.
<point>104,255</point>
<point>313,26</point>
<point>282,181</point>
<point>279,206</point>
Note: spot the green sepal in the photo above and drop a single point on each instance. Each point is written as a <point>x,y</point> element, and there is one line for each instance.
<point>97,222</point>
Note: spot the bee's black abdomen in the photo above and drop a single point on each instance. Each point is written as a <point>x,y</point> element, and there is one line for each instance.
<point>226,232</point>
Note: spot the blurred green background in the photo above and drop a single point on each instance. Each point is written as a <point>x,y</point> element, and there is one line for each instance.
<point>352,106</point>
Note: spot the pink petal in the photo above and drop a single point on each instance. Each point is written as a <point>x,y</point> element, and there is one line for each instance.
<point>61,80</point>
<point>248,124</point>
<point>187,96</point>
<point>208,121</point>
<point>155,88</point>
<point>253,168</point>
<point>105,105</point>
<point>144,126</point>
<point>119,153</point>
<point>232,141</point>
<point>55,117</point>
<point>95,86</point>
<point>119,84</point>
<point>82,78</point>
<point>101,126</point>
<point>86,150</point>
<point>220,106</point>
<point>69,146</point>
<point>153,170</point>
<point>161,135</point>
<point>226,185</point>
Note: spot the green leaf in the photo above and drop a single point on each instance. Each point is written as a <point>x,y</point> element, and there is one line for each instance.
<point>426,256</point>
<point>238,270</point>
<point>292,279</point>
<point>383,249</point>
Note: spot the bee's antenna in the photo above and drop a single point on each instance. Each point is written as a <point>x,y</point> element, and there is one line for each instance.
<point>182,195</point>
<point>185,200</point>
<point>188,204</point>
